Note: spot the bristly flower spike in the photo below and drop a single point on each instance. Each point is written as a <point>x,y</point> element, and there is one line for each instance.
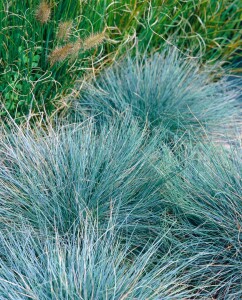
<point>42,13</point>
<point>94,40</point>
<point>64,30</point>
<point>61,53</point>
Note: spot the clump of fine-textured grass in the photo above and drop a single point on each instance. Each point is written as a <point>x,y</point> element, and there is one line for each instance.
<point>42,54</point>
<point>51,178</point>
<point>209,202</point>
<point>122,176</point>
<point>86,264</point>
<point>216,193</point>
<point>166,89</point>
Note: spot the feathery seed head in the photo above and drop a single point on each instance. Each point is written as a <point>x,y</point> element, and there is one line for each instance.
<point>93,40</point>
<point>76,46</point>
<point>43,12</point>
<point>61,53</point>
<point>64,30</point>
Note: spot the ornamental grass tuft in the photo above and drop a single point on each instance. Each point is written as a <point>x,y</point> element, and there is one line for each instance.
<point>166,89</point>
<point>85,265</point>
<point>52,178</point>
<point>67,187</point>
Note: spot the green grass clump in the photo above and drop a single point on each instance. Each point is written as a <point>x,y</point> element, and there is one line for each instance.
<point>46,46</point>
<point>43,52</point>
<point>166,90</point>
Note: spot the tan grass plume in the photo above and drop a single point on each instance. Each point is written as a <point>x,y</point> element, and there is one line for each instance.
<point>93,40</point>
<point>64,30</point>
<point>42,13</point>
<point>61,53</point>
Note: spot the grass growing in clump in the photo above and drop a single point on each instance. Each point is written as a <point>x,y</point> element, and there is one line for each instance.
<point>211,207</point>
<point>42,54</point>
<point>121,203</point>
<point>86,265</point>
<point>167,89</point>
<point>133,189</point>
<point>217,193</point>
<point>51,178</point>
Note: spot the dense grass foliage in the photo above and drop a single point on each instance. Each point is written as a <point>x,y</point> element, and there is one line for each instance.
<point>53,179</point>
<point>214,205</point>
<point>167,89</point>
<point>124,179</point>
<point>85,265</point>
<point>30,36</point>
<point>45,46</point>
<point>134,191</point>
<point>208,205</point>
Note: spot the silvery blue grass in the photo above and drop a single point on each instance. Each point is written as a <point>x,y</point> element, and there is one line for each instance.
<point>56,177</point>
<point>165,89</point>
<point>86,265</point>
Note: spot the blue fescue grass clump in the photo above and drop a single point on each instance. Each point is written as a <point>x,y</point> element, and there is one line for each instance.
<point>216,195</point>
<point>113,206</point>
<point>86,265</point>
<point>211,209</point>
<point>114,212</point>
<point>55,177</point>
<point>166,89</point>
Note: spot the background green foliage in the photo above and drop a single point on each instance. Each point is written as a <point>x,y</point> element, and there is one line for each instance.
<point>28,85</point>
